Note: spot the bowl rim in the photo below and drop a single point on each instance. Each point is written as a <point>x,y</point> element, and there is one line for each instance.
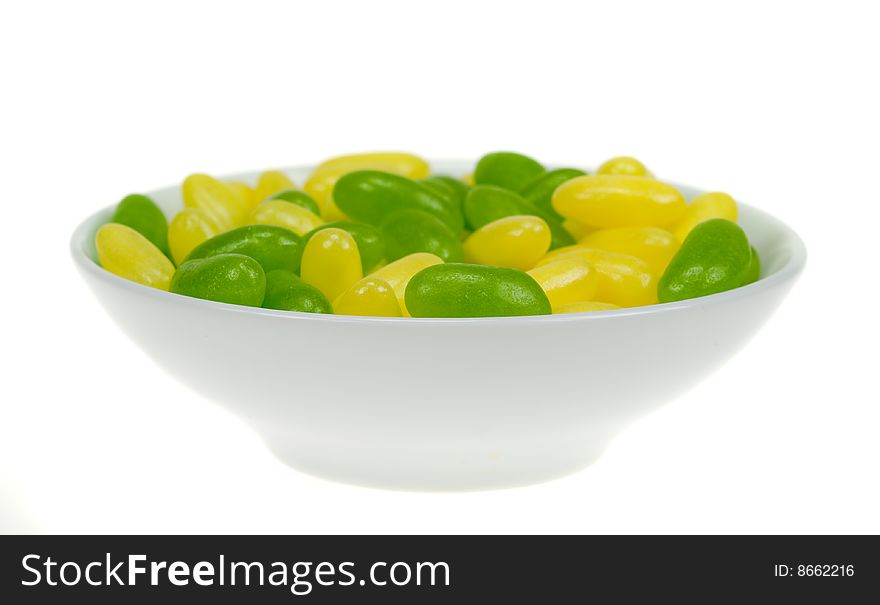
<point>785,274</point>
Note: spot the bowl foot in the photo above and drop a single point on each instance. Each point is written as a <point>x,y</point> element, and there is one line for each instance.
<point>417,467</point>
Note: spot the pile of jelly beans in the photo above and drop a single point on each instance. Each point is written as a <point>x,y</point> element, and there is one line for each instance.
<point>378,234</point>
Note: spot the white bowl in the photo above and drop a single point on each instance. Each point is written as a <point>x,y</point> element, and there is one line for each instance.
<point>442,404</point>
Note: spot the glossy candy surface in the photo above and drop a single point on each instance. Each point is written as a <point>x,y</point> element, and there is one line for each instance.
<point>284,214</point>
<point>653,245</point>
<point>287,292</point>
<point>714,257</point>
<point>370,196</point>
<point>189,228</point>
<point>369,296</point>
<point>223,205</point>
<point>704,207</point>
<point>463,290</point>
<point>273,247</point>
<point>517,242</point>
<point>128,254</point>
<point>410,231</point>
<point>608,201</point>
<point>622,280</point>
<point>398,273</point>
<point>484,204</point>
<point>369,240</point>
<point>230,278</point>
<point>506,169</point>
<point>300,198</point>
<point>624,165</point>
<point>539,192</point>
<point>566,281</point>
<point>331,262</point>
<point>270,183</point>
<point>143,215</point>
<point>320,184</point>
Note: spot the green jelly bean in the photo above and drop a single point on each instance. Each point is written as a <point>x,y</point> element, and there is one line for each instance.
<point>714,257</point>
<point>506,169</point>
<point>369,240</point>
<point>287,292</point>
<point>271,246</point>
<point>143,215</point>
<point>410,231</point>
<point>371,195</point>
<point>454,189</point>
<point>230,278</point>
<point>300,198</point>
<point>463,290</point>
<point>539,192</point>
<point>754,272</point>
<point>487,203</point>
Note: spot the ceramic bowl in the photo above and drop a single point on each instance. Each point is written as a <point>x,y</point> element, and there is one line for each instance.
<point>442,404</point>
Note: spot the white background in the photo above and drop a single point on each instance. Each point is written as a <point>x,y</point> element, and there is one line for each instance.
<point>774,102</point>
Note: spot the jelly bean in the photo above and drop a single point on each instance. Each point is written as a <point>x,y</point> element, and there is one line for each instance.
<point>369,240</point>
<point>369,296</point>
<point>606,201</point>
<point>539,192</point>
<point>300,198</point>
<point>754,272</point>
<point>321,182</point>
<point>567,280</point>
<point>714,257</point>
<point>410,231</point>
<point>506,169</point>
<point>515,241</point>
<point>585,307</point>
<point>215,198</point>
<point>273,247</point>
<point>370,196</point>
<point>626,166</point>
<point>461,290</point>
<point>128,254</point>
<point>702,208</point>
<point>331,262</point>
<point>189,228</point>
<point>398,273</point>
<point>143,215</point>
<point>653,245</point>
<point>455,188</point>
<point>287,292</point>
<point>486,203</point>
<point>575,229</point>
<point>244,192</point>
<point>468,180</point>
<point>284,214</point>
<point>229,278</point>
<point>271,182</point>
<point>622,279</point>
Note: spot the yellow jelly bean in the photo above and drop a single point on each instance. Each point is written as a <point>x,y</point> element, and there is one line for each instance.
<point>189,228</point>
<point>369,296</point>
<point>513,241</point>
<point>284,214</point>
<point>624,165</point>
<point>623,280</point>
<point>214,197</point>
<point>128,254</point>
<point>270,183</point>
<point>575,229</point>
<point>653,245</point>
<point>605,201</point>
<point>398,273</point>
<point>320,183</point>
<point>584,307</point>
<point>704,207</point>
<point>331,261</point>
<point>567,280</point>
<point>244,192</point>
<point>469,179</point>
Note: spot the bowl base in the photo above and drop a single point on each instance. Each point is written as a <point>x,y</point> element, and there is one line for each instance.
<point>410,467</point>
